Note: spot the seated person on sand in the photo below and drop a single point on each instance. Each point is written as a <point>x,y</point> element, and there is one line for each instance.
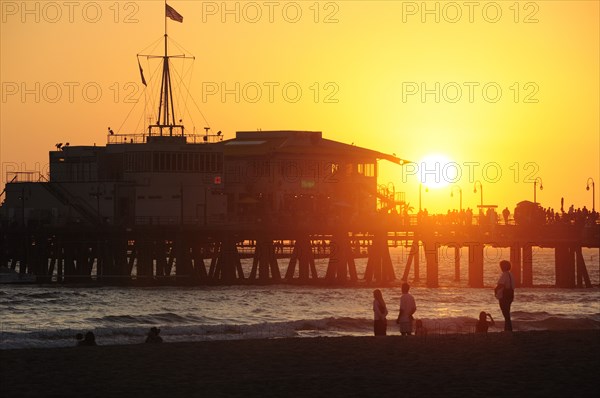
<point>88,340</point>
<point>483,324</point>
<point>153,336</point>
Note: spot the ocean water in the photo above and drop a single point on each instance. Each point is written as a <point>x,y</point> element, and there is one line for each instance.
<point>50,316</point>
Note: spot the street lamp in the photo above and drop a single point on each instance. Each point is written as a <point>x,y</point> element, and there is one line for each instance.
<point>480,190</point>
<point>587,188</point>
<point>420,194</point>
<point>460,193</point>
<point>535,188</point>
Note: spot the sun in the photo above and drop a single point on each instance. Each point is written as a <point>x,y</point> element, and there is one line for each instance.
<point>437,171</point>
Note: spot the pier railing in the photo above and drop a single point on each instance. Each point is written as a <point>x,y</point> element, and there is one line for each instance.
<point>144,138</point>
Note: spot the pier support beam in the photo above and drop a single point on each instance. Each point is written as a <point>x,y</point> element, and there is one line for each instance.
<point>69,269</point>
<point>456,262</point>
<point>160,254</point>
<point>226,265</point>
<point>144,261</point>
<point>417,262</point>
<point>42,253</point>
<point>302,255</point>
<point>199,267</point>
<point>476,264</point>
<point>582,273</point>
<point>413,257</point>
<point>515,262</point>
<point>264,264</point>
<point>379,263</point>
<point>341,260</point>
<point>564,263</point>
<point>430,247</point>
<point>183,260</point>
<point>527,278</point>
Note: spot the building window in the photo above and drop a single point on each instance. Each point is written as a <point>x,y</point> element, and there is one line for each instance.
<point>366,169</point>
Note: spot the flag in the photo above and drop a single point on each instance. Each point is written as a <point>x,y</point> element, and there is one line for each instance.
<point>142,73</point>
<point>171,13</point>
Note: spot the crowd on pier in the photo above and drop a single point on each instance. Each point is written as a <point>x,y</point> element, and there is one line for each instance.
<point>526,213</point>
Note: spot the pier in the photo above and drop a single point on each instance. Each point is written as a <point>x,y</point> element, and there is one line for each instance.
<point>190,254</point>
<point>164,204</point>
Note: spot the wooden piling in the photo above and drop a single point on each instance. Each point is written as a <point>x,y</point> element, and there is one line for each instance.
<point>264,263</point>
<point>416,262</point>
<point>582,273</point>
<point>527,277</point>
<point>430,247</point>
<point>412,258</point>
<point>341,266</point>
<point>475,264</point>
<point>226,266</point>
<point>303,256</point>
<point>457,262</point>
<point>379,263</point>
<point>515,263</point>
<point>564,257</point>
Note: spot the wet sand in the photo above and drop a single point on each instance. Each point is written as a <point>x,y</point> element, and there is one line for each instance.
<point>545,364</point>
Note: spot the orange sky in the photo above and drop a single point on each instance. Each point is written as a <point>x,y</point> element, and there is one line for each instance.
<point>511,89</point>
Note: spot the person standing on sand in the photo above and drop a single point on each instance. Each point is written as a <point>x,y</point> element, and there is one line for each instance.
<point>379,313</point>
<point>505,293</point>
<point>407,308</point>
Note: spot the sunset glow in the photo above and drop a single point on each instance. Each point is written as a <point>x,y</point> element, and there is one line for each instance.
<point>504,88</point>
<point>437,171</point>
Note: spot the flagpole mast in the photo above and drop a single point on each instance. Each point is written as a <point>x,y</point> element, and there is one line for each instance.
<point>166,107</point>
<point>165,85</point>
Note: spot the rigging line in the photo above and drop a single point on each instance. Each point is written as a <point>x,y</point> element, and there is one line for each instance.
<point>180,47</point>
<point>198,108</point>
<point>154,44</point>
<point>145,93</point>
<point>182,82</point>
<point>189,95</point>
<point>128,114</point>
<point>150,97</point>
<point>137,126</point>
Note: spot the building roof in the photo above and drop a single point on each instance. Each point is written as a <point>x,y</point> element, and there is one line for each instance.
<point>260,143</point>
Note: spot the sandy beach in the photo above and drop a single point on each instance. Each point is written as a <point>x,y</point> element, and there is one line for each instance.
<point>546,363</point>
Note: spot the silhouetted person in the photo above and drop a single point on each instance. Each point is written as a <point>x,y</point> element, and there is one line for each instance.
<point>79,338</point>
<point>153,336</point>
<point>407,308</point>
<point>88,340</point>
<point>379,313</point>
<point>505,293</point>
<point>469,217</point>
<point>506,215</point>
<point>483,324</point>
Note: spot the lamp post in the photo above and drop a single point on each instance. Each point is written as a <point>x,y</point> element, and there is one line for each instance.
<point>535,188</point>
<point>420,194</point>
<point>587,188</point>
<point>481,192</point>
<point>460,194</point>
